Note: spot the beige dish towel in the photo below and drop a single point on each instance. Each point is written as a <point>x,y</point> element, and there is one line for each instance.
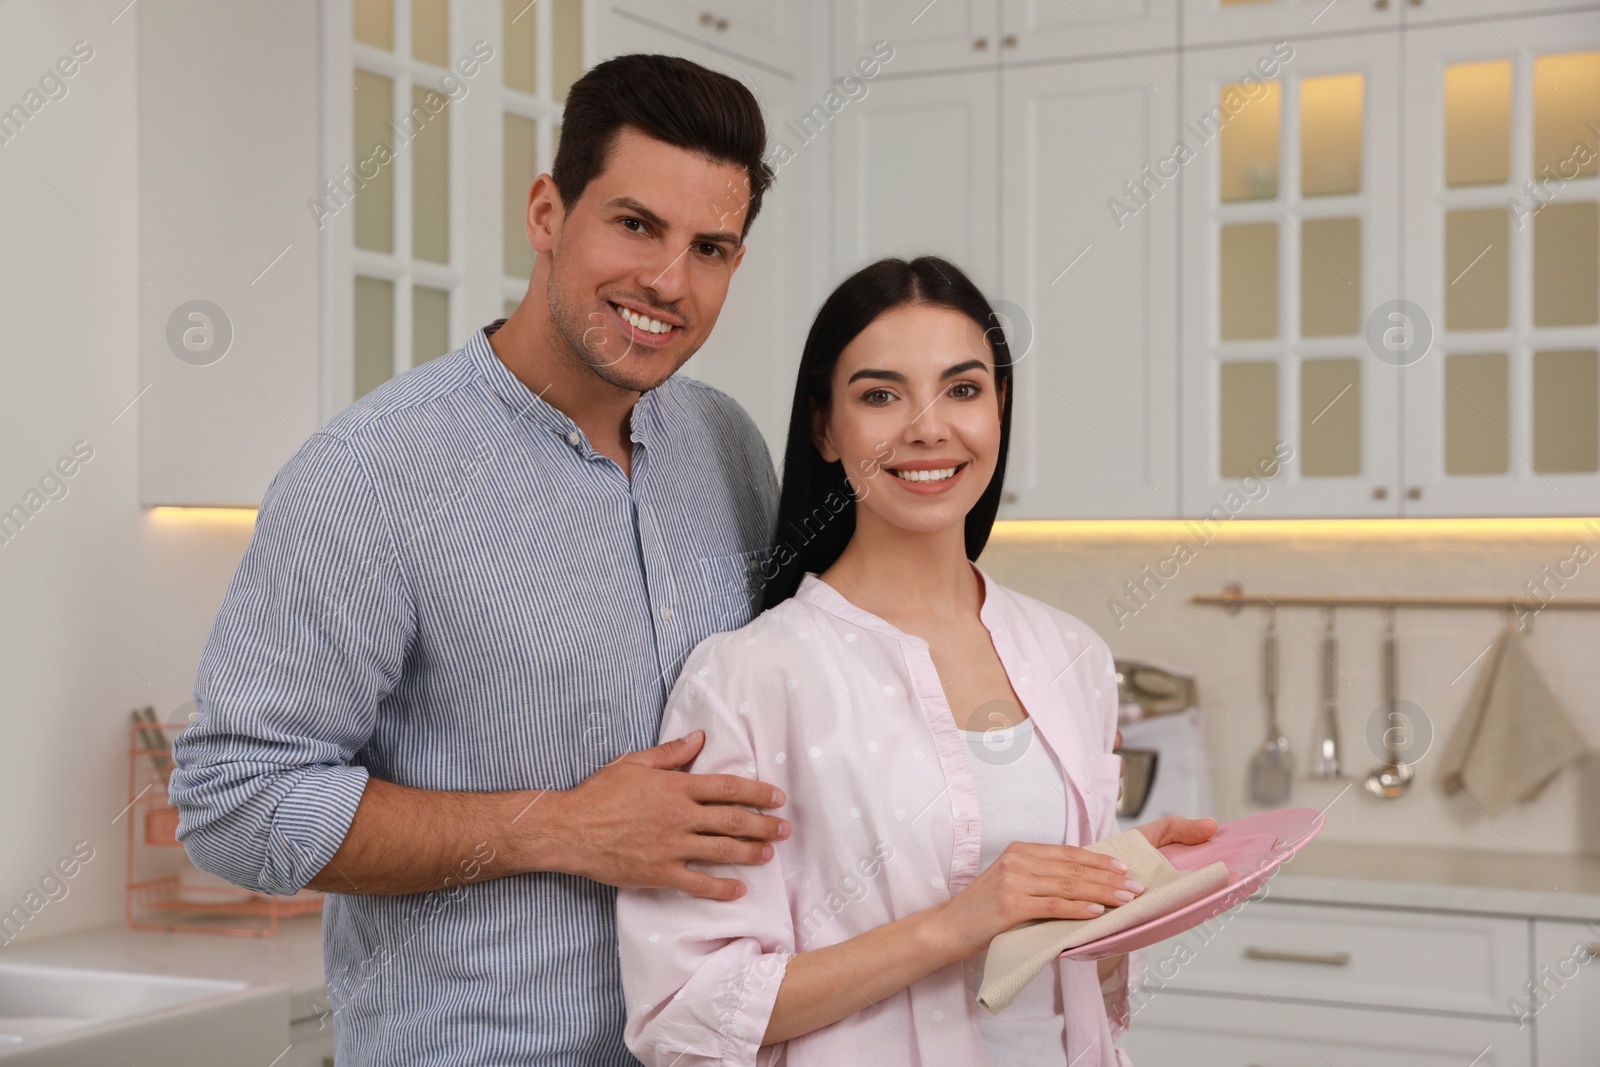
<point>1020,953</point>
<point>1514,735</point>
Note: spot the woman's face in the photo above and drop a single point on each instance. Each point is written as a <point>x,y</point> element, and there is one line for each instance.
<point>915,417</point>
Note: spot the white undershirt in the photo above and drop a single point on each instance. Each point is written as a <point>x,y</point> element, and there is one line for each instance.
<point>1022,796</point>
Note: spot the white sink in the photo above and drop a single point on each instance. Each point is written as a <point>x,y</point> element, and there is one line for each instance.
<point>83,1018</point>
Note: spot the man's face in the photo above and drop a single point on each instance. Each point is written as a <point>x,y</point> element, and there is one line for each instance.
<point>654,236</point>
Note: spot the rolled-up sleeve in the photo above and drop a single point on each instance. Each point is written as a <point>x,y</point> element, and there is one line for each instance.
<point>700,976</point>
<point>311,636</point>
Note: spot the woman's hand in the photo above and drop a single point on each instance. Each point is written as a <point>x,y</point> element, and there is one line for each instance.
<point>1030,881</point>
<point>1176,830</point>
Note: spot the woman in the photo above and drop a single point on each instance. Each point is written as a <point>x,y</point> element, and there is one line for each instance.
<point>943,743</point>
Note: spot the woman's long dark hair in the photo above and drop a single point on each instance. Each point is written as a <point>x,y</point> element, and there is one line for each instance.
<point>817,508</point>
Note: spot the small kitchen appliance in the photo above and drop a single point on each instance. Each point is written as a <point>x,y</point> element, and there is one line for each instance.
<point>1167,770</point>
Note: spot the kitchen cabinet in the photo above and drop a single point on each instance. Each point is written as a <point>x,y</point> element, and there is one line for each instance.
<point>1296,983</point>
<point>1033,30</point>
<point>752,30</point>
<point>1463,376</point>
<point>1427,12</point>
<point>1210,22</point>
<point>916,172</point>
<point>311,1043</point>
<point>1084,291</point>
<point>1088,276</point>
<point>227,384</point>
<point>1565,998</point>
<point>980,34</point>
<point>1290,236</point>
<point>1364,957</point>
<point>1502,261</point>
<point>1211,1032</point>
<point>946,35</point>
<point>754,350</point>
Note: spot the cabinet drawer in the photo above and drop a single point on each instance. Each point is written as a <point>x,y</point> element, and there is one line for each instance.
<point>1203,1031</point>
<point>1565,1003</point>
<point>1387,959</point>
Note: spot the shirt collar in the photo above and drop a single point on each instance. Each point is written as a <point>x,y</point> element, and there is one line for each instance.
<point>524,403</point>
<point>813,590</point>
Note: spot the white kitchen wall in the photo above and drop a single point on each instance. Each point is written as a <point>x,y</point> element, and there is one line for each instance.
<point>105,604</point>
<point>1080,570</point>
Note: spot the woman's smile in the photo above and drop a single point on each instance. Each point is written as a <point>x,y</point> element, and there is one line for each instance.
<point>928,477</point>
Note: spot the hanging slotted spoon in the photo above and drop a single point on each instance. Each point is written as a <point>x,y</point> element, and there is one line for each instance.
<point>1393,778</point>
<point>1272,766</point>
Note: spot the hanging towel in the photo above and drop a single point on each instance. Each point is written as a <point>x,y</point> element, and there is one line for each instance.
<point>1514,735</point>
<point>1020,953</point>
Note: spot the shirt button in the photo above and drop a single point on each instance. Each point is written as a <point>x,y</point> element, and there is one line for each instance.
<point>573,439</point>
<point>666,613</point>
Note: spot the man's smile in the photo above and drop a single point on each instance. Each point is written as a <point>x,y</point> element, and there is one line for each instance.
<point>644,328</point>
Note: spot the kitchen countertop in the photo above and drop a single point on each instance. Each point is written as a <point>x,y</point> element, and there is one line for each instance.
<point>1540,884</point>
<point>292,957</point>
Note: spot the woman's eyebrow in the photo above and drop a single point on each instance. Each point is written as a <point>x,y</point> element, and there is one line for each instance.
<point>896,376</point>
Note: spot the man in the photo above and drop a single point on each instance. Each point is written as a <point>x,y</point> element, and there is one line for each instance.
<point>434,687</point>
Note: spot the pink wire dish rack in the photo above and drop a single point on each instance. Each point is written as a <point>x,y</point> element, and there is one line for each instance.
<point>165,892</point>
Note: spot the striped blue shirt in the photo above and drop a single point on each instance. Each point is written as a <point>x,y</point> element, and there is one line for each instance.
<point>448,588</point>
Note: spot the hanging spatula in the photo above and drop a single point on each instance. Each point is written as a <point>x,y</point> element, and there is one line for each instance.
<point>1272,766</point>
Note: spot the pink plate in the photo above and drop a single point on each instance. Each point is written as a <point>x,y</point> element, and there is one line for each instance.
<point>1252,847</point>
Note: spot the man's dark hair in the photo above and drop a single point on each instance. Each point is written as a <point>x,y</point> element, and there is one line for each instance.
<point>670,99</point>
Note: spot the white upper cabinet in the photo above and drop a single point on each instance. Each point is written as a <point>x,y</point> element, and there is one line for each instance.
<point>1089,282</point>
<point>1502,257</point>
<point>1426,12</point>
<point>1290,241</point>
<point>964,34</point>
<point>936,35</point>
<point>749,30</point>
<point>915,172</point>
<point>1217,21</point>
<point>228,300</point>
<point>1049,29</point>
<point>754,348</point>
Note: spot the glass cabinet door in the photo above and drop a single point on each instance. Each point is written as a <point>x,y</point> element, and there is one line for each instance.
<point>446,112</point>
<point>1502,253</point>
<point>1290,243</point>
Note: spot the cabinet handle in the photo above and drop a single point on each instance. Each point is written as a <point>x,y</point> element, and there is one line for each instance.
<point>1010,40</point>
<point>1008,497</point>
<point>1414,493</point>
<point>722,24</point>
<point>1380,5</point>
<point>1331,959</point>
<point>1380,492</point>
<point>980,44</point>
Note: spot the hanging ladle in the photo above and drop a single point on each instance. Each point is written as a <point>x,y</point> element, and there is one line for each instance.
<point>1393,778</point>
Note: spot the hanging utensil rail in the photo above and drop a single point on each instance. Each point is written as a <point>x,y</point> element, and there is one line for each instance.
<point>1233,599</point>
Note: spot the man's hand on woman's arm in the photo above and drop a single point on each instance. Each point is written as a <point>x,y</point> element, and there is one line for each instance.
<point>635,822</point>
